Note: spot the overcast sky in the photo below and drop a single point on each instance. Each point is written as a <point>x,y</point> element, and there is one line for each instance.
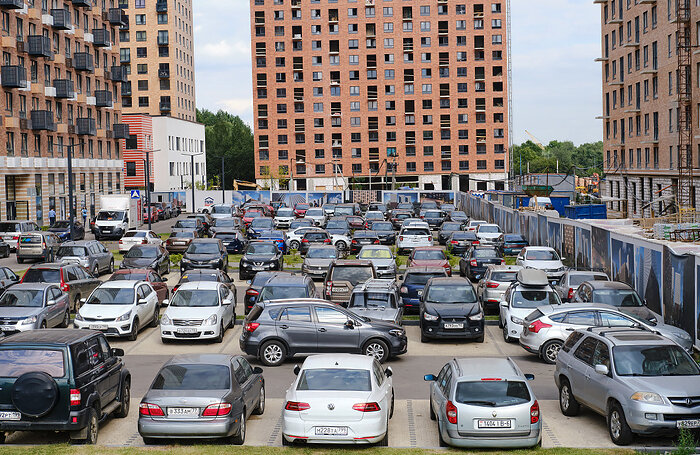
<point>556,82</point>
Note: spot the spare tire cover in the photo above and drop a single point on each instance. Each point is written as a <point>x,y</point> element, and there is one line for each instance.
<point>35,394</point>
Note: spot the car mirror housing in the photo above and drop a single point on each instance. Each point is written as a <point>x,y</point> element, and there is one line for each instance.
<point>504,304</point>
<point>257,370</point>
<point>350,324</point>
<point>389,372</point>
<point>142,302</point>
<point>602,369</point>
<point>529,377</point>
<point>227,302</point>
<point>82,301</point>
<point>118,352</point>
<point>166,302</point>
<point>429,377</point>
<point>296,369</point>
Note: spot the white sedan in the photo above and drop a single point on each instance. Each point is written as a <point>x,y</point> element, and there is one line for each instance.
<point>340,241</point>
<point>119,308</point>
<point>488,233</point>
<point>138,237</point>
<point>339,399</point>
<point>198,310</point>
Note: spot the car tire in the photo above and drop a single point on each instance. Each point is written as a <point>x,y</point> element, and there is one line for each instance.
<point>220,337</point>
<point>620,432</point>
<point>165,340</point>
<point>378,349</point>
<point>423,337</point>
<point>440,440</point>
<point>42,325</point>
<point>273,353</point>
<point>286,443</point>
<point>294,245</point>
<point>76,303</point>
<point>341,245</point>
<point>111,266</point>
<point>550,350</point>
<point>124,401</point>
<point>20,260</point>
<point>167,268</point>
<point>506,337</point>
<point>260,408</point>
<point>432,413</point>
<point>134,330</point>
<point>93,427</point>
<point>156,316</point>
<point>96,271</point>
<point>239,439</point>
<point>500,322</point>
<point>150,441</point>
<point>2,437</point>
<point>567,402</point>
<point>480,339</point>
<point>242,276</point>
<point>66,320</point>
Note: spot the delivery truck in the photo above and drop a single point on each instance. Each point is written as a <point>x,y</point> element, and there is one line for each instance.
<point>118,213</point>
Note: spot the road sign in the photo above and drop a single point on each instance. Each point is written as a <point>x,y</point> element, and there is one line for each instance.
<point>135,194</point>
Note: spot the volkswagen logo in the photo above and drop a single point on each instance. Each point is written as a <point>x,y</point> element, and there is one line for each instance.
<point>331,406</point>
<point>494,413</point>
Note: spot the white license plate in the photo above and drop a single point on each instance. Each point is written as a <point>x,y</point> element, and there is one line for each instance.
<point>494,423</point>
<point>186,330</point>
<point>179,243</point>
<point>331,431</point>
<point>183,412</point>
<point>7,327</point>
<point>454,325</point>
<point>691,423</point>
<point>335,289</point>
<point>10,415</point>
<point>98,326</point>
<point>258,268</point>
<point>420,292</point>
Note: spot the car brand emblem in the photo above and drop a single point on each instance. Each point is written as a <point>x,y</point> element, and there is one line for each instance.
<point>493,413</point>
<point>688,401</point>
<point>331,406</point>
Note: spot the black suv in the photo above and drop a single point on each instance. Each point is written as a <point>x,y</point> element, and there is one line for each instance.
<point>449,309</point>
<point>260,256</point>
<point>274,331</point>
<point>61,380</point>
<point>314,238</point>
<point>205,254</point>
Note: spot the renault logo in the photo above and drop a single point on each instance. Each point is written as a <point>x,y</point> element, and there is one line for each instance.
<point>331,406</point>
<point>493,413</point>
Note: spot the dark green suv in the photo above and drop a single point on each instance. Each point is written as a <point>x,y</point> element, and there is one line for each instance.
<point>61,380</point>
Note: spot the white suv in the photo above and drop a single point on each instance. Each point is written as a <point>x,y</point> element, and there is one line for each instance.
<point>543,258</point>
<point>413,236</point>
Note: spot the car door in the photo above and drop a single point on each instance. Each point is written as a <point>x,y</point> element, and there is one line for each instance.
<point>88,282</point>
<point>145,310</point>
<point>383,390</point>
<point>157,283</point>
<point>99,371</point>
<point>580,370</point>
<point>164,259</point>
<point>112,366</point>
<point>246,380</point>
<point>334,332</point>
<point>226,310</point>
<point>62,303</point>
<point>438,390</point>
<point>599,384</point>
<point>53,313</point>
<point>296,326</point>
<point>579,320</point>
<point>103,256</point>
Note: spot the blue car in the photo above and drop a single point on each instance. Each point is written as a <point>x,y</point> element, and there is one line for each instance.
<point>259,226</point>
<point>234,241</point>
<point>414,281</point>
<point>62,230</point>
<point>512,244</point>
<point>279,237</point>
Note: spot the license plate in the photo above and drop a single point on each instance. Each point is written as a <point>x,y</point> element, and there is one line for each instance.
<point>691,423</point>
<point>454,325</point>
<point>494,423</point>
<point>179,243</point>
<point>183,412</point>
<point>7,327</point>
<point>331,431</point>
<point>10,415</point>
<point>259,268</point>
<point>335,289</point>
<point>420,292</point>
<point>98,326</point>
<point>186,330</point>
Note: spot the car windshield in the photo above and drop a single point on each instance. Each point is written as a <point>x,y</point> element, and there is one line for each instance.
<point>542,255</point>
<point>111,296</point>
<point>433,214</point>
<point>533,299</point>
<point>493,393</point>
<point>16,362</point>
<point>337,224</point>
<point>199,276</point>
<point>193,377</point>
<point>30,239</point>
<point>183,234</point>
<point>261,223</point>
<point>617,297</point>
<point>10,227</point>
<point>252,215</point>
<point>459,235</point>
<point>302,206</point>
<point>419,279</point>
<point>513,238</point>
<point>203,248</point>
<point>220,209</point>
<point>135,252</point>
<point>382,226</point>
<point>322,253</point>
<point>341,379</point>
<point>195,298</point>
<point>489,229</point>
<point>129,276</point>
<point>429,255</point>
<point>485,253</point>
<point>186,224</point>
<point>31,298</point>
<point>344,211</point>
<point>42,276</point>
<point>261,248</point>
<point>575,280</point>
<point>645,360</point>
<point>61,225</point>
<point>224,222</point>
<point>315,212</point>
<point>71,251</point>
<point>225,236</point>
<point>455,293</point>
<point>504,277</point>
<point>283,292</point>
<point>107,215</point>
<point>285,212</point>
<point>353,274</point>
<point>451,226</point>
<point>135,234</point>
<point>371,300</point>
<point>374,253</point>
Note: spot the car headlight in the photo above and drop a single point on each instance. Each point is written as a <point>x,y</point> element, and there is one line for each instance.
<point>561,269</point>
<point>211,320</point>
<point>430,317</point>
<point>185,260</point>
<point>647,397</point>
<point>165,320</point>
<point>397,332</point>
<point>515,320</point>
<point>215,261</point>
<point>683,335</point>
<point>124,317</point>
<point>476,317</point>
<point>78,317</point>
<point>29,320</point>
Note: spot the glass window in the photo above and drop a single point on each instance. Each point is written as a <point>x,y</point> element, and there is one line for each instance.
<point>335,379</point>
<point>193,377</point>
<point>16,362</point>
<point>492,393</point>
<point>585,350</point>
<point>584,318</point>
<point>330,316</point>
<point>300,314</point>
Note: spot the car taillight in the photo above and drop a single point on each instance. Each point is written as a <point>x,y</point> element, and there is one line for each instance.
<point>15,237</point>
<point>401,237</point>
<point>473,263</point>
<point>148,409</point>
<point>354,241</point>
<point>251,326</point>
<point>144,242</point>
<point>121,242</point>
<point>536,326</point>
<point>251,292</point>
<point>175,287</point>
<point>503,262</point>
<point>570,295</point>
<point>217,409</point>
<point>451,412</point>
<point>75,397</point>
<point>475,242</point>
<point>376,242</point>
<point>447,266</point>
<point>366,407</point>
<point>327,241</point>
<point>296,406</point>
<point>535,412</point>
<point>65,287</point>
<point>305,241</point>
<point>454,242</point>
<point>404,290</point>
<point>430,238</point>
<point>491,284</point>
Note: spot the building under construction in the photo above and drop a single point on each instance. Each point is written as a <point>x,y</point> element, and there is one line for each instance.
<point>651,146</point>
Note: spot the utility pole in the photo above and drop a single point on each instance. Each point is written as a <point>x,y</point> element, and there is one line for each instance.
<point>223,191</point>
<point>194,210</point>
<point>147,175</point>
<point>71,208</point>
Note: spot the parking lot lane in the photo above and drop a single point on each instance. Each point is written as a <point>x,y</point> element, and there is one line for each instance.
<point>454,347</point>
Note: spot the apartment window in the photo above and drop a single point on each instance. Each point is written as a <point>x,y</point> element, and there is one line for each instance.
<point>428,166</point>
<point>143,101</point>
<point>140,19</point>
<point>320,169</point>
<point>141,52</point>
<point>481,164</point>
<point>140,36</point>
<point>411,167</point>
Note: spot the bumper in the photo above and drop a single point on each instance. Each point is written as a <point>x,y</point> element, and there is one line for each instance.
<point>202,332</point>
<point>410,303</point>
<point>215,428</point>
<point>110,329</point>
<point>248,270</point>
<point>386,273</point>
<point>468,332</point>
<point>369,430</point>
<point>76,421</point>
<point>514,330</point>
<point>185,266</point>
<point>315,273</point>
<point>665,421</point>
<point>530,347</point>
<point>42,255</point>
<point>530,440</point>
<point>176,249</point>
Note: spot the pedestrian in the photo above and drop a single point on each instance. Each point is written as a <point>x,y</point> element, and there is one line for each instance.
<point>52,216</point>
<point>84,213</point>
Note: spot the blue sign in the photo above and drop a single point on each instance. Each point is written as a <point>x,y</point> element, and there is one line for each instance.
<point>135,194</point>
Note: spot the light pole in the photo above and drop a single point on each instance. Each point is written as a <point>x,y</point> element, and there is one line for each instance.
<point>71,208</point>
<point>223,190</point>
<point>192,155</point>
<point>147,175</point>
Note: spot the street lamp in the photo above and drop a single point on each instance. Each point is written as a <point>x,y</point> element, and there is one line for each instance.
<point>71,209</point>
<point>192,155</point>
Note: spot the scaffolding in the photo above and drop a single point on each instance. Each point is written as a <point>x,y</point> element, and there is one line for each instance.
<point>684,49</point>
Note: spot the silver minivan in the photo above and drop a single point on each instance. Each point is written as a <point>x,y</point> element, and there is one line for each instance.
<point>11,230</point>
<point>37,245</point>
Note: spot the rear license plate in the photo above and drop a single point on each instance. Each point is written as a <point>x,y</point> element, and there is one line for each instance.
<point>7,328</point>
<point>335,289</point>
<point>494,423</point>
<point>98,326</point>
<point>691,423</point>
<point>454,325</point>
<point>186,330</point>
<point>331,431</point>
<point>183,412</point>
<point>10,415</point>
<point>179,243</point>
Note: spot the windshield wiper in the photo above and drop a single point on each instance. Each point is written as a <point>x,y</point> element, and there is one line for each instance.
<point>490,403</point>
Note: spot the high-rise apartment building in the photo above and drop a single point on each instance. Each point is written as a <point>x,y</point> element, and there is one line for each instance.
<point>60,74</point>
<point>157,49</point>
<point>407,92</point>
<point>640,73</point>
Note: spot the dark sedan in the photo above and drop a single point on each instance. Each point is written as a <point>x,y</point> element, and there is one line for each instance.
<point>461,241</point>
<point>446,230</point>
<point>147,256</point>
<point>315,237</point>
<point>476,259</point>
<point>277,236</point>
<point>62,230</point>
<point>234,241</point>
<point>434,218</point>
<point>205,254</point>
<point>385,231</point>
<point>414,282</point>
<point>449,309</point>
<point>259,257</point>
<point>202,396</point>
<point>512,244</point>
<point>362,238</point>
<point>459,217</point>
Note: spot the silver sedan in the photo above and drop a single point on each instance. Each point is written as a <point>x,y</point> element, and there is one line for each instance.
<point>28,306</point>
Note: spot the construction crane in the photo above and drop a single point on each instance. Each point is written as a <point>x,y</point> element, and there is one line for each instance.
<point>536,141</point>
<point>684,50</point>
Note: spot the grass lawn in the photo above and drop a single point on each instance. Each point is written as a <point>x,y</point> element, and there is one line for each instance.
<point>510,260</point>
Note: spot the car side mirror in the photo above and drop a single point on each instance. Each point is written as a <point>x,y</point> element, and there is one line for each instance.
<point>504,304</point>
<point>249,282</point>
<point>51,303</point>
<point>82,301</point>
<point>429,377</point>
<point>529,377</point>
<point>16,278</point>
<point>389,372</point>
<point>602,369</point>
<point>257,370</point>
<point>118,352</point>
<point>166,302</point>
<point>142,302</point>
<point>350,324</point>
<point>227,302</point>
<point>296,369</point>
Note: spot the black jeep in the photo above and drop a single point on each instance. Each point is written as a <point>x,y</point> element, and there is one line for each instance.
<point>61,380</point>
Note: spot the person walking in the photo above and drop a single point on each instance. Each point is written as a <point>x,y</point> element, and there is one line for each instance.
<point>84,213</point>
<point>52,216</point>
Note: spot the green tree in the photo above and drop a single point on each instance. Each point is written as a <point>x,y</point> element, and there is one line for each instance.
<point>229,137</point>
<point>588,157</point>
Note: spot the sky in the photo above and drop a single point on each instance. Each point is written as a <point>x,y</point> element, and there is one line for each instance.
<point>556,83</point>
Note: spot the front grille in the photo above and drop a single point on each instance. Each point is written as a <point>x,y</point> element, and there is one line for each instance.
<point>97,320</point>
<point>675,417</point>
<point>8,320</point>
<point>686,402</point>
<point>187,335</point>
<point>187,322</point>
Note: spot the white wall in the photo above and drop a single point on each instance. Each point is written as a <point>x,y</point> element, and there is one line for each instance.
<point>166,130</point>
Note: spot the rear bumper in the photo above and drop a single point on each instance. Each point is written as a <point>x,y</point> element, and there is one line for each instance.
<point>531,439</point>
<point>77,420</point>
<point>215,428</point>
<point>369,430</point>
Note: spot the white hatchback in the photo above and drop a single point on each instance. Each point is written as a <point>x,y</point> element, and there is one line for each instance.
<point>138,237</point>
<point>488,233</point>
<point>339,399</point>
<point>413,236</point>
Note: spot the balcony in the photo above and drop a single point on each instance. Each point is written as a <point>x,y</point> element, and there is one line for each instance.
<point>115,16</point>
<point>83,3</point>
<point>164,73</point>
<point>161,6</point>
<point>86,126</point>
<point>83,61</point>
<point>61,19</point>
<point>64,88</point>
<point>12,4</point>
<point>118,74</point>
<point>125,22</point>
<point>103,98</point>
<point>165,106</point>
<point>101,37</point>
<point>120,131</point>
<point>39,46</point>
<point>13,76</point>
<point>42,121</point>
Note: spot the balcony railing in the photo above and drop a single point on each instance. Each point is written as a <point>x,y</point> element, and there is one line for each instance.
<point>64,88</point>
<point>83,61</point>
<point>13,76</point>
<point>86,126</point>
<point>43,120</point>
<point>120,131</point>
<point>12,4</point>
<point>118,74</point>
<point>39,46</point>
<point>103,98</point>
<point>61,19</point>
<point>164,73</point>
<point>83,3</point>
<point>101,37</point>
<point>115,16</point>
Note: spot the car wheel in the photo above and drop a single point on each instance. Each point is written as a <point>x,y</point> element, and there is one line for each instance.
<point>167,267</point>
<point>220,337</point>
<point>134,330</point>
<point>341,245</point>
<point>423,337</point>
<point>506,337</point>
<point>242,276</point>
<point>92,429</point>
<point>550,350</point>
<point>111,266</point>
<point>76,303</point>
<point>43,325</point>
<point>95,271</point>
<point>156,316</point>
<point>124,401</point>
<point>66,320</point>
<point>260,408</point>
<point>432,413</point>
<point>480,339</point>
<point>150,441</point>
<point>20,260</point>
<point>500,322</point>
<point>239,438</point>
<point>272,353</point>
<point>294,244</point>
<point>567,402</point>
<point>620,432</point>
<point>377,349</point>
<point>165,340</point>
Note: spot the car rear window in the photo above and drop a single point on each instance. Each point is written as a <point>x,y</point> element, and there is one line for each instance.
<point>276,292</point>
<point>485,253</point>
<point>185,234</point>
<point>10,227</point>
<point>415,232</point>
<point>371,300</point>
<point>79,251</point>
<point>42,276</point>
<point>492,393</point>
<point>335,379</point>
<point>429,255</point>
<point>15,362</point>
<point>186,224</point>
<point>353,274</point>
<point>433,214</point>
<point>128,276</point>
<point>30,239</point>
<point>533,299</point>
<point>135,234</point>
<point>504,276</point>
<point>575,280</point>
<point>420,279</point>
<point>193,377</point>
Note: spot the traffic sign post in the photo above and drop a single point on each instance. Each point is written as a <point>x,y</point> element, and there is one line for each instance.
<point>135,194</point>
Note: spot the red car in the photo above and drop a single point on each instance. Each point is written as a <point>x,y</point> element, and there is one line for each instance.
<point>355,222</point>
<point>300,209</point>
<point>154,215</point>
<point>429,256</point>
<point>250,214</point>
<point>159,284</point>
